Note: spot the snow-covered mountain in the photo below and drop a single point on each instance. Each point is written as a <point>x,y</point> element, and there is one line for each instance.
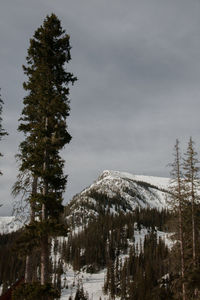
<point>116,192</point>
<point>113,192</point>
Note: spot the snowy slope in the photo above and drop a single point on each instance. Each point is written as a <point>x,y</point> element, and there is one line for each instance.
<point>113,191</point>
<point>93,283</point>
<point>9,224</point>
<point>117,191</point>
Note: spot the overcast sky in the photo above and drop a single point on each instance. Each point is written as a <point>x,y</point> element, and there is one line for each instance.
<point>138,88</point>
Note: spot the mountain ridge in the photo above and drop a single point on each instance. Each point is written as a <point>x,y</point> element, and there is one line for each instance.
<point>115,192</point>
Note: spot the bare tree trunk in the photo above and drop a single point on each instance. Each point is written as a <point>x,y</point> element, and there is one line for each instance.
<point>29,269</point>
<point>44,260</point>
<point>192,179</point>
<point>180,199</point>
<point>45,240</point>
<point>193,234</point>
<point>193,228</point>
<point>182,250</point>
<point>44,253</point>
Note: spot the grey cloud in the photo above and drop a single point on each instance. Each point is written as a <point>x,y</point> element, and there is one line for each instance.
<point>138,68</point>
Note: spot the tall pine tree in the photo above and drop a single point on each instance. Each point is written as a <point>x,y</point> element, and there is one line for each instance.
<point>191,178</point>
<point>177,189</point>
<point>43,121</point>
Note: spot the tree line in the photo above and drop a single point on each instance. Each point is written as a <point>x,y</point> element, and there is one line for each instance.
<point>185,191</point>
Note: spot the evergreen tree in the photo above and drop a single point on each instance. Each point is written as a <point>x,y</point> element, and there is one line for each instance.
<point>191,177</point>
<point>192,181</point>
<point>43,121</point>
<point>2,131</point>
<point>177,189</point>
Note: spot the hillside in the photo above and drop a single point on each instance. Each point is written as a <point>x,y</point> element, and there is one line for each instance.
<point>116,212</point>
<point>117,192</point>
<point>120,218</point>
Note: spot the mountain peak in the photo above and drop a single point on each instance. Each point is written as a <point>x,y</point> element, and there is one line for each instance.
<point>160,182</point>
<point>118,192</point>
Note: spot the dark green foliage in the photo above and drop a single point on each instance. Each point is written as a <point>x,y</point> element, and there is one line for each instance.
<point>185,255</point>
<point>192,274</point>
<point>35,291</point>
<point>80,295</point>
<point>100,244</point>
<point>111,235</point>
<point>92,202</point>
<point>139,276</point>
<point>2,131</point>
<point>152,218</point>
<point>104,202</point>
<point>11,266</point>
<point>102,206</point>
<point>43,121</point>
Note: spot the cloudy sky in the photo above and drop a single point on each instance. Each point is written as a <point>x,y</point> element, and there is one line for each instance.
<point>138,89</point>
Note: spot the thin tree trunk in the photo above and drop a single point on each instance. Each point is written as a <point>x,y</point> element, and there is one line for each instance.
<point>29,269</point>
<point>44,252</point>
<point>193,228</point>
<point>180,223</point>
<point>193,234</point>
<point>182,250</point>
<point>44,240</point>
<point>191,177</point>
<point>44,260</point>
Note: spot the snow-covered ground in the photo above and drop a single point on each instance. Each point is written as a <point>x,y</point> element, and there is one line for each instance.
<point>93,283</point>
<point>139,236</point>
<point>111,183</point>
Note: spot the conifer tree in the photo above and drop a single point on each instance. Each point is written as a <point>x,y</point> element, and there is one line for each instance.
<point>192,182</point>
<point>2,131</point>
<point>43,121</point>
<point>177,202</point>
<point>191,177</point>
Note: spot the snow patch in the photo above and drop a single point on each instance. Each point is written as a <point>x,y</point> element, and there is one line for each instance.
<point>9,224</point>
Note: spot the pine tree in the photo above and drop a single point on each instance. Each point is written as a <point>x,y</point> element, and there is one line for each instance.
<point>43,121</point>
<point>177,189</point>
<point>2,131</point>
<point>192,181</point>
<point>191,177</point>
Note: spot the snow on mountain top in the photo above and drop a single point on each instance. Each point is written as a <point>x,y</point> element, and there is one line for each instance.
<point>116,192</point>
<point>9,224</point>
<point>154,195</point>
<point>160,182</point>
